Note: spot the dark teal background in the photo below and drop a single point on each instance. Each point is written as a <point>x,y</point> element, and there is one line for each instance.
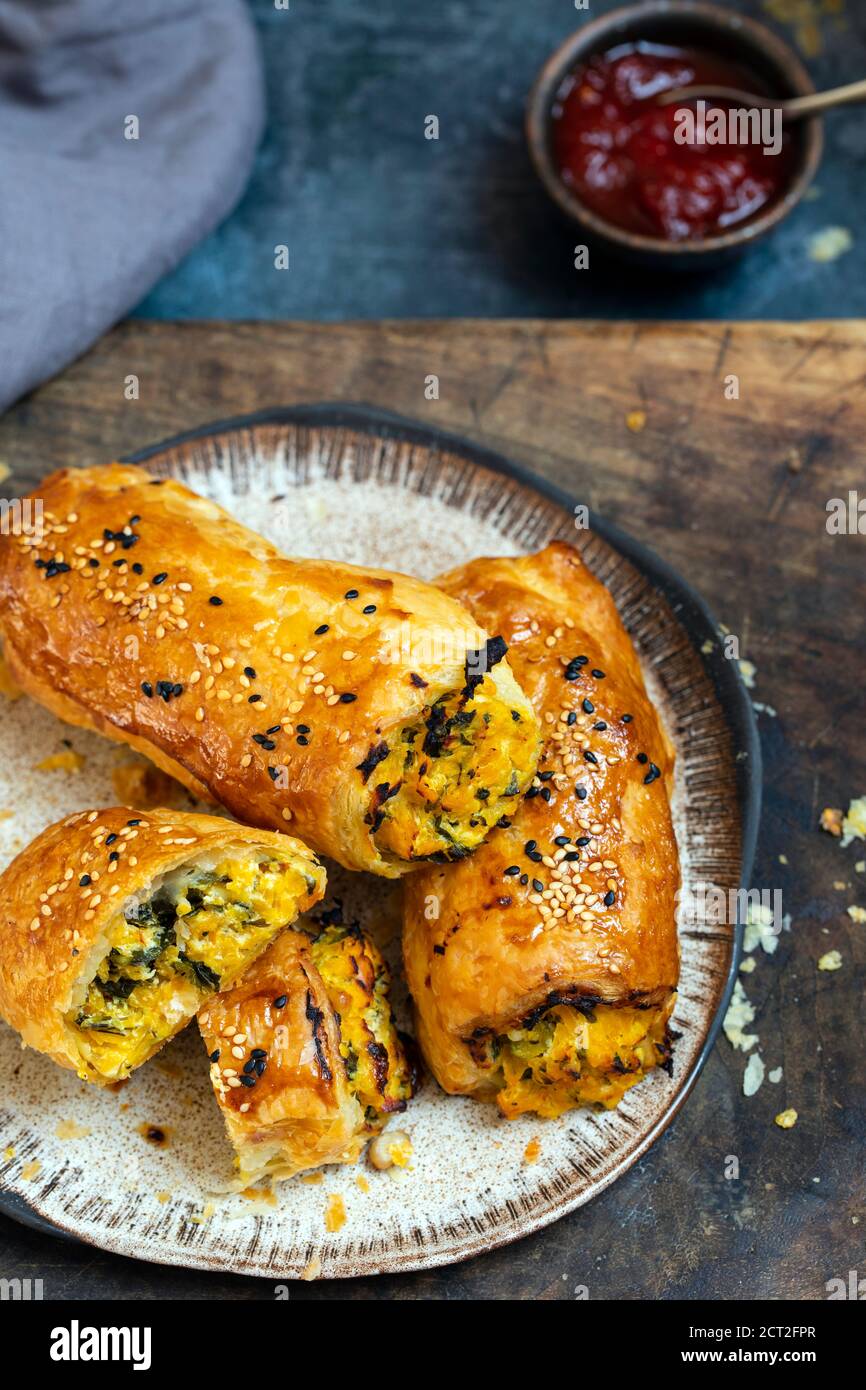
<point>383,223</point>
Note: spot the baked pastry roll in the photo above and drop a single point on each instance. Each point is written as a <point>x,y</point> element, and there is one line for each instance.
<point>366,710</point>
<point>544,969</point>
<point>116,926</point>
<point>306,1061</point>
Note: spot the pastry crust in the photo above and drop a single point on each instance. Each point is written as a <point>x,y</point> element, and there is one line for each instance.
<point>589,922</point>
<point>284,1047</point>
<point>277,687</point>
<point>60,898</point>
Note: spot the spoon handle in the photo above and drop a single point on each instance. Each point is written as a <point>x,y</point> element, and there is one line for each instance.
<point>799,107</point>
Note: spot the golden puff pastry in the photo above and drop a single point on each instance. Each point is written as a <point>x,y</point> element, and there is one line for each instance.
<point>544,969</point>
<point>116,925</point>
<point>366,710</point>
<point>306,1061</point>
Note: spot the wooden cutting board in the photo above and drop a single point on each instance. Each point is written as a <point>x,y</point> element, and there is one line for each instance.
<point>720,447</point>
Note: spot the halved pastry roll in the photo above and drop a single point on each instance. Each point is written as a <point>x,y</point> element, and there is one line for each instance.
<point>116,926</point>
<point>366,710</point>
<point>306,1061</point>
<point>544,969</point>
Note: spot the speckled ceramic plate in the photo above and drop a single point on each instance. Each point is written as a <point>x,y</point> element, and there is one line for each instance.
<point>368,488</point>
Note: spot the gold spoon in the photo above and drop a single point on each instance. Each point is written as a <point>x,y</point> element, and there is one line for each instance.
<point>792,108</point>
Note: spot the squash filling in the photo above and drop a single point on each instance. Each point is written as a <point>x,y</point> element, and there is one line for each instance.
<point>200,928</point>
<point>567,1058</point>
<point>445,781</point>
<point>356,981</point>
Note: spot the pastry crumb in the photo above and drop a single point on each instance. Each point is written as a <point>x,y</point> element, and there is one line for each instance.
<point>854,823</point>
<point>163,1197</point>
<point>635,420</point>
<point>8,1153</point>
<point>312,1177</point>
<point>312,1269</point>
<point>775,1075</point>
<point>68,1129</point>
<point>740,1014</point>
<point>829,244</point>
<point>786,1119</point>
<point>857,914</point>
<point>831,820</point>
<point>831,960</point>
<point>753,1077</point>
<point>31,1170</point>
<point>748,671</point>
<point>748,965</point>
<point>335,1213</point>
<point>362,1183</point>
<point>532,1151</point>
<point>67,761</point>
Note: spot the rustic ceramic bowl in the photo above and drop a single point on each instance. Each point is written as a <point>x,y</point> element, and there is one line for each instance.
<point>690,24</point>
<point>366,487</point>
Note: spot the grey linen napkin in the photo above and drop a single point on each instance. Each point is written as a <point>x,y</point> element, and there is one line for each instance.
<point>90,219</point>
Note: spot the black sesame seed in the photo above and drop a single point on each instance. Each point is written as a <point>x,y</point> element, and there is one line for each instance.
<point>589,756</point>
<point>320,631</point>
<point>512,870</point>
<point>136,569</point>
<point>133,822</point>
<point>250,671</point>
<point>589,707</point>
<point>110,839</point>
<point>247,1080</point>
<point>609,898</point>
<point>258,1052</point>
<point>581,793</point>
<point>570,674</point>
<point>626,718</point>
<point>571,856</point>
<point>303,740</point>
<point>524,879</point>
<point>420,683</point>
<point>561,840</point>
<point>652,774</point>
<point>302,729</point>
<point>253,699</point>
<point>117,563</point>
<point>545,793</point>
<point>530,846</point>
<point>274,729</point>
<point>147,688</point>
<point>538,885</point>
<point>260,1065</point>
<point>351,593</point>
<point>535,855</point>
<point>600,726</point>
<point>545,776</point>
<point>215,1056</point>
<point>642,758</point>
<point>134,520</point>
<point>94,564</point>
<point>177,690</point>
<point>599,675</point>
<point>281,1002</point>
<point>249,1067</point>
<point>160,578</point>
<point>85,881</point>
<point>347,698</point>
<point>273,773</point>
<point>582,841</point>
<point>571,717</point>
<point>264,742</point>
<point>114,855</point>
<point>215,602</point>
<point>370,608</point>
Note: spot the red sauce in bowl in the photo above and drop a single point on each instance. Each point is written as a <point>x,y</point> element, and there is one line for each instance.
<point>617,149</point>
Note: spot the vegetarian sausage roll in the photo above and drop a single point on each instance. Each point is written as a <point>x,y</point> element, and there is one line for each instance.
<point>367,710</point>
<point>544,969</point>
<point>306,1062</point>
<point>116,926</point>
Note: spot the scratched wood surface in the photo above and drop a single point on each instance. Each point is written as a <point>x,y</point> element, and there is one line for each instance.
<point>639,422</point>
